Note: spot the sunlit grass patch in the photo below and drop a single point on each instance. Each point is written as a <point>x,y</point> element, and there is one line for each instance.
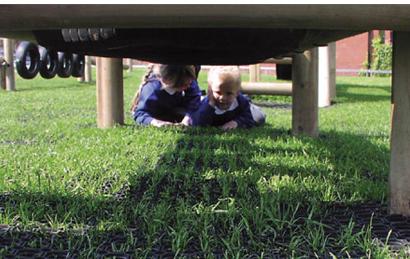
<point>193,192</point>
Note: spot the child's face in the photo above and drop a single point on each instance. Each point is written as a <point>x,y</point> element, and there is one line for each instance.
<point>224,93</point>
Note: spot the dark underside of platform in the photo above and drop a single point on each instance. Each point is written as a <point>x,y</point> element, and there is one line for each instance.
<point>188,46</point>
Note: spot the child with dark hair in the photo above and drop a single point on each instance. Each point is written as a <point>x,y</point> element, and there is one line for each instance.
<point>224,105</point>
<point>168,95</point>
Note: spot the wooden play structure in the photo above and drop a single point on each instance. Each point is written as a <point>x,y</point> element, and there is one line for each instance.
<point>275,30</point>
<point>7,77</point>
<point>326,77</point>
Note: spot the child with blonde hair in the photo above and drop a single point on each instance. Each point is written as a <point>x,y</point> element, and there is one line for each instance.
<point>168,95</point>
<point>224,105</point>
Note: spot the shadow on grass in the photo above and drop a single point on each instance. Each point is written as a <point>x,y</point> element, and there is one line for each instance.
<point>345,94</point>
<point>234,187</point>
<point>60,86</point>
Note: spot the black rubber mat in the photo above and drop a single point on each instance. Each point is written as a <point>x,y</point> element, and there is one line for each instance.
<point>390,230</point>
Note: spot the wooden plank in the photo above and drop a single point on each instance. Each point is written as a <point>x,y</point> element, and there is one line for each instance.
<point>339,17</point>
<point>399,178</point>
<point>305,93</point>
<point>110,99</point>
<point>266,88</point>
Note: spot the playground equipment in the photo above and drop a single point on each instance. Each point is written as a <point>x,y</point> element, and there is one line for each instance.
<point>31,59</point>
<point>267,88</point>
<point>3,66</point>
<point>240,34</point>
<point>326,77</point>
<point>7,66</point>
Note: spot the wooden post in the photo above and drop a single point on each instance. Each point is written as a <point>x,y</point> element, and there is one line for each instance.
<point>305,93</point>
<point>110,99</point>
<point>258,73</point>
<point>323,77</point>
<point>399,178</point>
<point>129,65</point>
<point>2,73</point>
<point>87,69</point>
<point>254,75</point>
<point>8,45</point>
<point>332,70</point>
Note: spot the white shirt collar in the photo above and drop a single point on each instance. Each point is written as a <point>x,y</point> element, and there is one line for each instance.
<point>232,107</point>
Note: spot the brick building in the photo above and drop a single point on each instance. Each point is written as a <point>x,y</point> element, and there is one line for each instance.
<point>353,52</point>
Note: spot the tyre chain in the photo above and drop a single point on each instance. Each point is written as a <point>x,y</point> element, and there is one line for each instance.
<point>49,62</point>
<point>87,34</point>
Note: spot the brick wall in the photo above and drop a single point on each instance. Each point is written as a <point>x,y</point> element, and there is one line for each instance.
<point>351,53</point>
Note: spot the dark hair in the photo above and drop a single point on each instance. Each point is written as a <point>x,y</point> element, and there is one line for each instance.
<point>175,74</point>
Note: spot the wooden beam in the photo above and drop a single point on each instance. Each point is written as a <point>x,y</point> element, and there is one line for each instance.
<point>254,73</point>
<point>86,77</point>
<point>328,17</point>
<point>124,65</point>
<point>2,74</point>
<point>323,77</point>
<point>87,69</point>
<point>305,93</point>
<point>129,65</point>
<point>399,178</point>
<point>110,100</point>
<point>286,61</point>
<point>332,70</point>
<point>8,45</point>
<point>266,88</point>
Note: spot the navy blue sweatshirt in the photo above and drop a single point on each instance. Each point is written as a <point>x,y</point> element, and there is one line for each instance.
<point>206,116</point>
<point>157,103</point>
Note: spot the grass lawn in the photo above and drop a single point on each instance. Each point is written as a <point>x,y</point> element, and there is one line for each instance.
<point>142,191</point>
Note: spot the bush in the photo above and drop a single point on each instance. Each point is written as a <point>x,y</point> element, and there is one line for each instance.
<point>382,56</point>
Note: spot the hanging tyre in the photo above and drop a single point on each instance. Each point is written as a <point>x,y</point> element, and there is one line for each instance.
<point>27,60</point>
<point>78,65</point>
<point>65,64</point>
<point>48,63</point>
<point>87,34</point>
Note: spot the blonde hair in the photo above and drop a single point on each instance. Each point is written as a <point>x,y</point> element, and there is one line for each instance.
<point>225,74</point>
<point>171,73</point>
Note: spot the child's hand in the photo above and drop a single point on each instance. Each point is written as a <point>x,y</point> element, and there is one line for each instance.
<point>229,125</point>
<point>211,98</point>
<point>186,121</point>
<point>160,123</point>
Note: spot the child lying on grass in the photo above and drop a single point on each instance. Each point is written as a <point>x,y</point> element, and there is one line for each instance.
<point>224,105</point>
<point>168,95</point>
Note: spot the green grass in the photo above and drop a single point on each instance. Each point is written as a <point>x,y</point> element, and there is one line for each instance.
<point>245,192</point>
